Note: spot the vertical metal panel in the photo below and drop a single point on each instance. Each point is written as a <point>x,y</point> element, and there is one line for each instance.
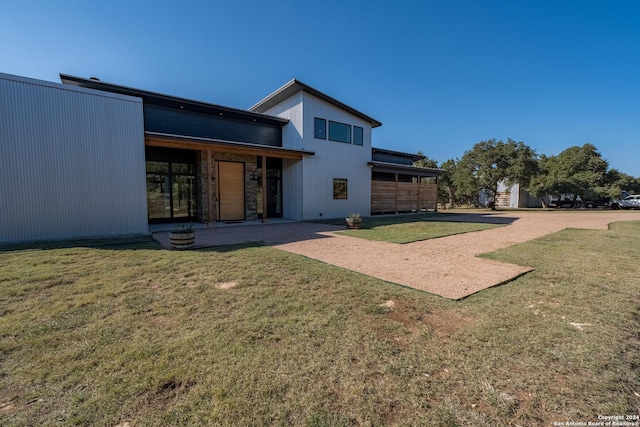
<point>72,162</point>
<point>292,196</point>
<point>292,188</point>
<point>334,160</point>
<point>290,109</point>
<point>309,187</point>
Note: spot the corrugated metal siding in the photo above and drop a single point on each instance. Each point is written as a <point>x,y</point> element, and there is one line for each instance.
<point>291,109</point>
<point>72,162</point>
<point>334,160</point>
<point>292,196</point>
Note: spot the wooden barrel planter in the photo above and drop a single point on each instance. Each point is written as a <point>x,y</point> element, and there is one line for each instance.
<point>182,239</point>
<point>354,223</point>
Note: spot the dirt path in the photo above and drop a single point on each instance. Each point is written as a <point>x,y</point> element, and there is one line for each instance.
<point>448,266</point>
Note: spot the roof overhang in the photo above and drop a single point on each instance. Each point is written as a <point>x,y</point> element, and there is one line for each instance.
<point>414,157</point>
<point>404,169</point>
<point>156,139</point>
<point>294,86</point>
<point>175,102</point>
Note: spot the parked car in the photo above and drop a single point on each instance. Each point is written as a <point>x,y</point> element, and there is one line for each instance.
<point>597,203</point>
<point>630,202</point>
<point>564,203</point>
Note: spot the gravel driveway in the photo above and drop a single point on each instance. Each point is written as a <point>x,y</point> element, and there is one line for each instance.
<point>446,266</point>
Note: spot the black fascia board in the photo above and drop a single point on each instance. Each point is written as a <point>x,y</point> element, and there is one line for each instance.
<point>404,169</point>
<point>294,86</point>
<point>415,157</point>
<point>153,98</point>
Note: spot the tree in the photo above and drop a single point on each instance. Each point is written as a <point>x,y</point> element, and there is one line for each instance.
<point>616,182</point>
<point>465,182</point>
<point>580,171</point>
<point>540,184</point>
<point>490,162</point>
<point>426,162</point>
<point>447,187</point>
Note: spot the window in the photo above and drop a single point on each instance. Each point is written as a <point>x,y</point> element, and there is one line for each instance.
<point>171,191</point>
<point>320,128</point>
<point>339,188</point>
<point>339,132</point>
<point>358,135</point>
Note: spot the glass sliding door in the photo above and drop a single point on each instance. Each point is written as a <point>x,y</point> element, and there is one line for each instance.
<point>274,193</point>
<point>274,187</point>
<point>171,190</point>
<point>183,193</point>
<point>158,194</point>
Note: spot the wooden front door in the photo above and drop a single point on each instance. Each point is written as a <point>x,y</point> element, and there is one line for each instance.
<point>230,179</point>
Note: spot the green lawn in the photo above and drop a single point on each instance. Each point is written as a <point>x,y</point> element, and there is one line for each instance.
<point>409,228</point>
<point>416,231</point>
<point>252,335</point>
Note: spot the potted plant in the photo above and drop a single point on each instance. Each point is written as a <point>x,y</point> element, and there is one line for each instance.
<point>183,236</point>
<point>354,220</point>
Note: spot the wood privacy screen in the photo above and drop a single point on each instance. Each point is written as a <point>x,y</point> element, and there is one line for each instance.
<point>388,197</point>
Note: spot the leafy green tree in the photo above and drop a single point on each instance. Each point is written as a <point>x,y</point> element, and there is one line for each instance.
<point>616,182</point>
<point>426,162</point>
<point>447,187</point>
<point>540,184</point>
<point>523,163</point>
<point>465,182</point>
<point>490,162</point>
<point>580,171</point>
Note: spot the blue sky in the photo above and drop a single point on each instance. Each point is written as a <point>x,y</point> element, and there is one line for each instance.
<point>440,75</point>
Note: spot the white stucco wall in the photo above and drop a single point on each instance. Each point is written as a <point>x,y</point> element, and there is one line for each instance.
<point>72,162</point>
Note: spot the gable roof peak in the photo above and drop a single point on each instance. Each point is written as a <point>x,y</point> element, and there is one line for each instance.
<point>294,86</point>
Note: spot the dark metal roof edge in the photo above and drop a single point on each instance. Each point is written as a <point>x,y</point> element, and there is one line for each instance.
<point>294,86</point>
<point>73,80</point>
<point>407,168</point>
<point>416,157</point>
<point>231,143</point>
<point>57,85</point>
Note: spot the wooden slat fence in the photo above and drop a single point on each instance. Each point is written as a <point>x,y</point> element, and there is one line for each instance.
<point>391,197</point>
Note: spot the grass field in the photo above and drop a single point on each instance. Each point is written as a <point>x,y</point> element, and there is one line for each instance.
<point>415,231</point>
<point>130,333</point>
<point>409,228</point>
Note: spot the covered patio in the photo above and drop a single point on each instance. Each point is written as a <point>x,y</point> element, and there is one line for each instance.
<point>235,181</point>
<point>399,188</point>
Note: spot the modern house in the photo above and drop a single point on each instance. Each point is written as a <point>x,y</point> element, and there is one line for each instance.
<point>87,158</point>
